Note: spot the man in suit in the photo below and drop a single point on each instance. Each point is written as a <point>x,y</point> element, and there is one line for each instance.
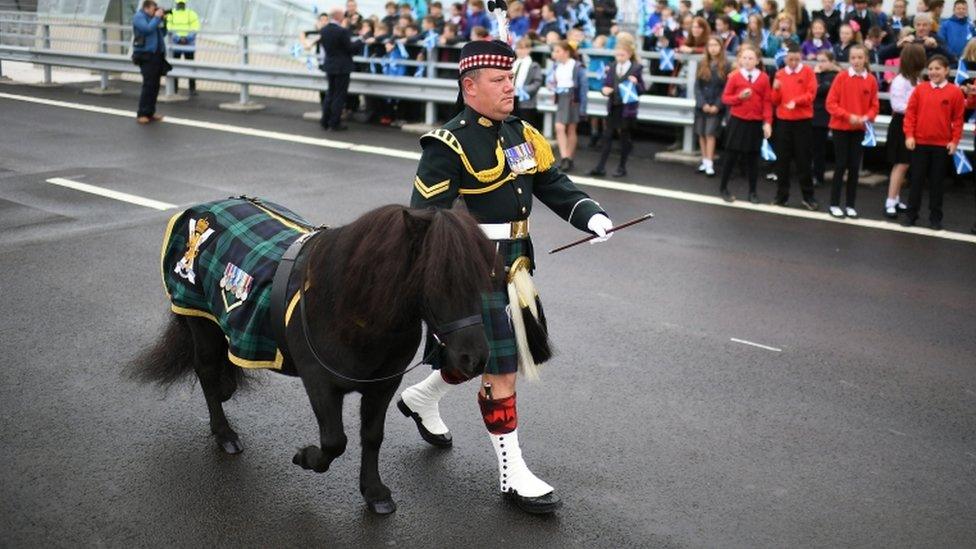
<point>336,41</point>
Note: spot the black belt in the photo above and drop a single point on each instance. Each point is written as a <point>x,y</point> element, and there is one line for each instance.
<point>279,291</point>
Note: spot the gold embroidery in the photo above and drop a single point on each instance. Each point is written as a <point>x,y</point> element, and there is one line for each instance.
<point>431,190</point>
<point>485,122</point>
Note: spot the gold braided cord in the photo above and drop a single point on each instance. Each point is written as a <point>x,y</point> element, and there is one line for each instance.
<point>488,189</point>
<point>490,174</point>
<point>544,159</point>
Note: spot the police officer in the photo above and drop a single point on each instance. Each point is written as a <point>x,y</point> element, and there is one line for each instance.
<point>496,163</point>
<point>183,24</point>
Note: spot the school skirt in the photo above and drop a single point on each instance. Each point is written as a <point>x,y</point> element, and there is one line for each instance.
<point>567,111</point>
<point>707,125</point>
<point>743,135</point>
<point>895,149</point>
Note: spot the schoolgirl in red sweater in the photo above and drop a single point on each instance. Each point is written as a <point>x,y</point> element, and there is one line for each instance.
<point>794,90</point>
<point>852,101</point>
<point>933,128</point>
<point>748,94</point>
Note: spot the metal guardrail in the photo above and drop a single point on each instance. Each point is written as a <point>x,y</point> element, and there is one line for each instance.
<point>674,111</point>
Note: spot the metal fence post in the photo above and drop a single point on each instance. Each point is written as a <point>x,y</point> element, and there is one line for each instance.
<point>46,35</point>
<point>103,88</point>
<point>688,132</point>
<point>244,104</point>
<point>430,114</point>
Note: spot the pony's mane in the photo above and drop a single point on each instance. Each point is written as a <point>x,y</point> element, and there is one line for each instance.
<point>396,255</point>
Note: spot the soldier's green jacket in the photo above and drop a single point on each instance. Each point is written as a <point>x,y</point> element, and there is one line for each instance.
<point>466,158</point>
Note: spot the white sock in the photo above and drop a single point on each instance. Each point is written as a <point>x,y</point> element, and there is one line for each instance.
<point>423,399</point>
<point>513,473</point>
<point>891,202</point>
<point>707,162</point>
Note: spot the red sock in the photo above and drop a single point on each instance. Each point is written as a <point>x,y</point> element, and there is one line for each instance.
<point>501,416</point>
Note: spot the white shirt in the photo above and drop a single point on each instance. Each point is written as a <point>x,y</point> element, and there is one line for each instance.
<point>901,90</point>
<point>521,70</point>
<point>564,74</point>
<point>623,68</point>
<point>852,73</point>
<point>799,69</point>
<point>939,86</point>
<point>751,76</point>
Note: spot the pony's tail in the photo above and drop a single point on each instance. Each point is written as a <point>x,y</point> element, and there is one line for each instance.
<point>169,359</point>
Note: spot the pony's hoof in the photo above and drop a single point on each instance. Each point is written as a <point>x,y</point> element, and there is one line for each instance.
<point>231,447</point>
<point>310,458</point>
<point>382,507</point>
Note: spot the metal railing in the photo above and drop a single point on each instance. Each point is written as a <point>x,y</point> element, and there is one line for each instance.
<point>28,39</point>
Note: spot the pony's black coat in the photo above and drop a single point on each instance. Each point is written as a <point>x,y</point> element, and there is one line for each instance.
<point>370,284</point>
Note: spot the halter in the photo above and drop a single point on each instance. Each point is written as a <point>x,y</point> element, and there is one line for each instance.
<point>278,303</point>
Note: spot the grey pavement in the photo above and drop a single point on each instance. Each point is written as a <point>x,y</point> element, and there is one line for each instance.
<point>656,428</point>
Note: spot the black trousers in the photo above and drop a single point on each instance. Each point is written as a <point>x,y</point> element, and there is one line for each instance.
<point>335,100</point>
<point>793,145</point>
<point>847,152</point>
<point>751,160</point>
<point>616,121</point>
<point>818,150</point>
<point>928,167</point>
<point>188,55</point>
<point>152,70</point>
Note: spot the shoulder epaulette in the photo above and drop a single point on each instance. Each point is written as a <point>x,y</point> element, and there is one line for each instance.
<point>446,137</point>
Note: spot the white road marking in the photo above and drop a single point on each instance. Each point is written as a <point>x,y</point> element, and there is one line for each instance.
<point>899,433</point>
<point>109,193</point>
<point>760,345</point>
<point>586,181</point>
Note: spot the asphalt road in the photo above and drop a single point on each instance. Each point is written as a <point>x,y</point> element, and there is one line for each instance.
<point>857,427</point>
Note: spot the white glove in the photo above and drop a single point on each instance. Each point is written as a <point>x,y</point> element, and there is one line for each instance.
<point>600,224</point>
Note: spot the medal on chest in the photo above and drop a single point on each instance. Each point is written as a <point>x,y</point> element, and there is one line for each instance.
<point>520,158</point>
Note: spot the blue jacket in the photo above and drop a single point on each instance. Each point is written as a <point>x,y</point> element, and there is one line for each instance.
<point>151,30</point>
<point>955,32</point>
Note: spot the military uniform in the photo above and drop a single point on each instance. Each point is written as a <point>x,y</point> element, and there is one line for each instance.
<point>497,168</point>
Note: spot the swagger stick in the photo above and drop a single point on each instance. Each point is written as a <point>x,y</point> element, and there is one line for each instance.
<point>640,219</point>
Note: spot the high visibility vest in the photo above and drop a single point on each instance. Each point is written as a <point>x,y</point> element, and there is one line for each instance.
<point>182,22</point>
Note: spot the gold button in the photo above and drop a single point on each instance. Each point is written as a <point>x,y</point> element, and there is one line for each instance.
<point>518,191</point>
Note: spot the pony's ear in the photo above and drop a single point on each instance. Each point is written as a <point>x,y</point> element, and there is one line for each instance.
<point>460,205</point>
<point>414,225</point>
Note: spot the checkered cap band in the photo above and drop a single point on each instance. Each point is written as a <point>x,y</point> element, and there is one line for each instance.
<point>485,61</point>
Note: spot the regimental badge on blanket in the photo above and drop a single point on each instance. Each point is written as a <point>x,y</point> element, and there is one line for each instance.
<point>521,158</point>
<point>236,284</point>
<point>200,231</point>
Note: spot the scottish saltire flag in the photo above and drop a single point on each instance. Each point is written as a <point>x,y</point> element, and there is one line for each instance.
<point>522,94</point>
<point>642,17</point>
<point>961,73</point>
<point>666,63</point>
<point>766,151</point>
<point>421,71</point>
<point>869,139</point>
<point>961,162</point>
<point>297,50</point>
<point>430,41</point>
<point>896,24</point>
<point>780,57</point>
<point>310,64</point>
<point>628,92</point>
<point>764,43</point>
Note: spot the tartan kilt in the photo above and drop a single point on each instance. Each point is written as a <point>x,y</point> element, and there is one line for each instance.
<point>503,351</point>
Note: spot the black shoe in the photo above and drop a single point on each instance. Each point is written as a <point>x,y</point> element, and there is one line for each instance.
<point>811,204</point>
<point>817,183</point>
<point>779,202</point>
<point>726,195</point>
<point>754,198</point>
<point>935,225</point>
<point>542,505</point>
<point>324,126</point>
<point>597,172</point>
<point>908,221</point>
<point>595,142</point>
<point>441,441</point>
<point>569,165</point>
<point>621,172</point>
<point>564,164</point>
<point>973,230</point>
<point>340,128</point>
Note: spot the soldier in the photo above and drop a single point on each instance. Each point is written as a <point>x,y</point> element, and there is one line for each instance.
<point>496,163</point>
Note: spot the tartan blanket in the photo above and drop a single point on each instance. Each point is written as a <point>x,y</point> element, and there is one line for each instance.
<point>218,262</point>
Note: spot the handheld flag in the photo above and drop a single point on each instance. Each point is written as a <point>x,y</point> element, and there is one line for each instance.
<point>666,63</point>
<point>522,94</point>
<point>764,43</point>
<point>869,139</point>
<point>766,151</point>
<point>961,74</point>
<point>297,50</point>
<point>310,64</point>
<point>628,92</point>
<point>961,162</point>
<point>430,41</point>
